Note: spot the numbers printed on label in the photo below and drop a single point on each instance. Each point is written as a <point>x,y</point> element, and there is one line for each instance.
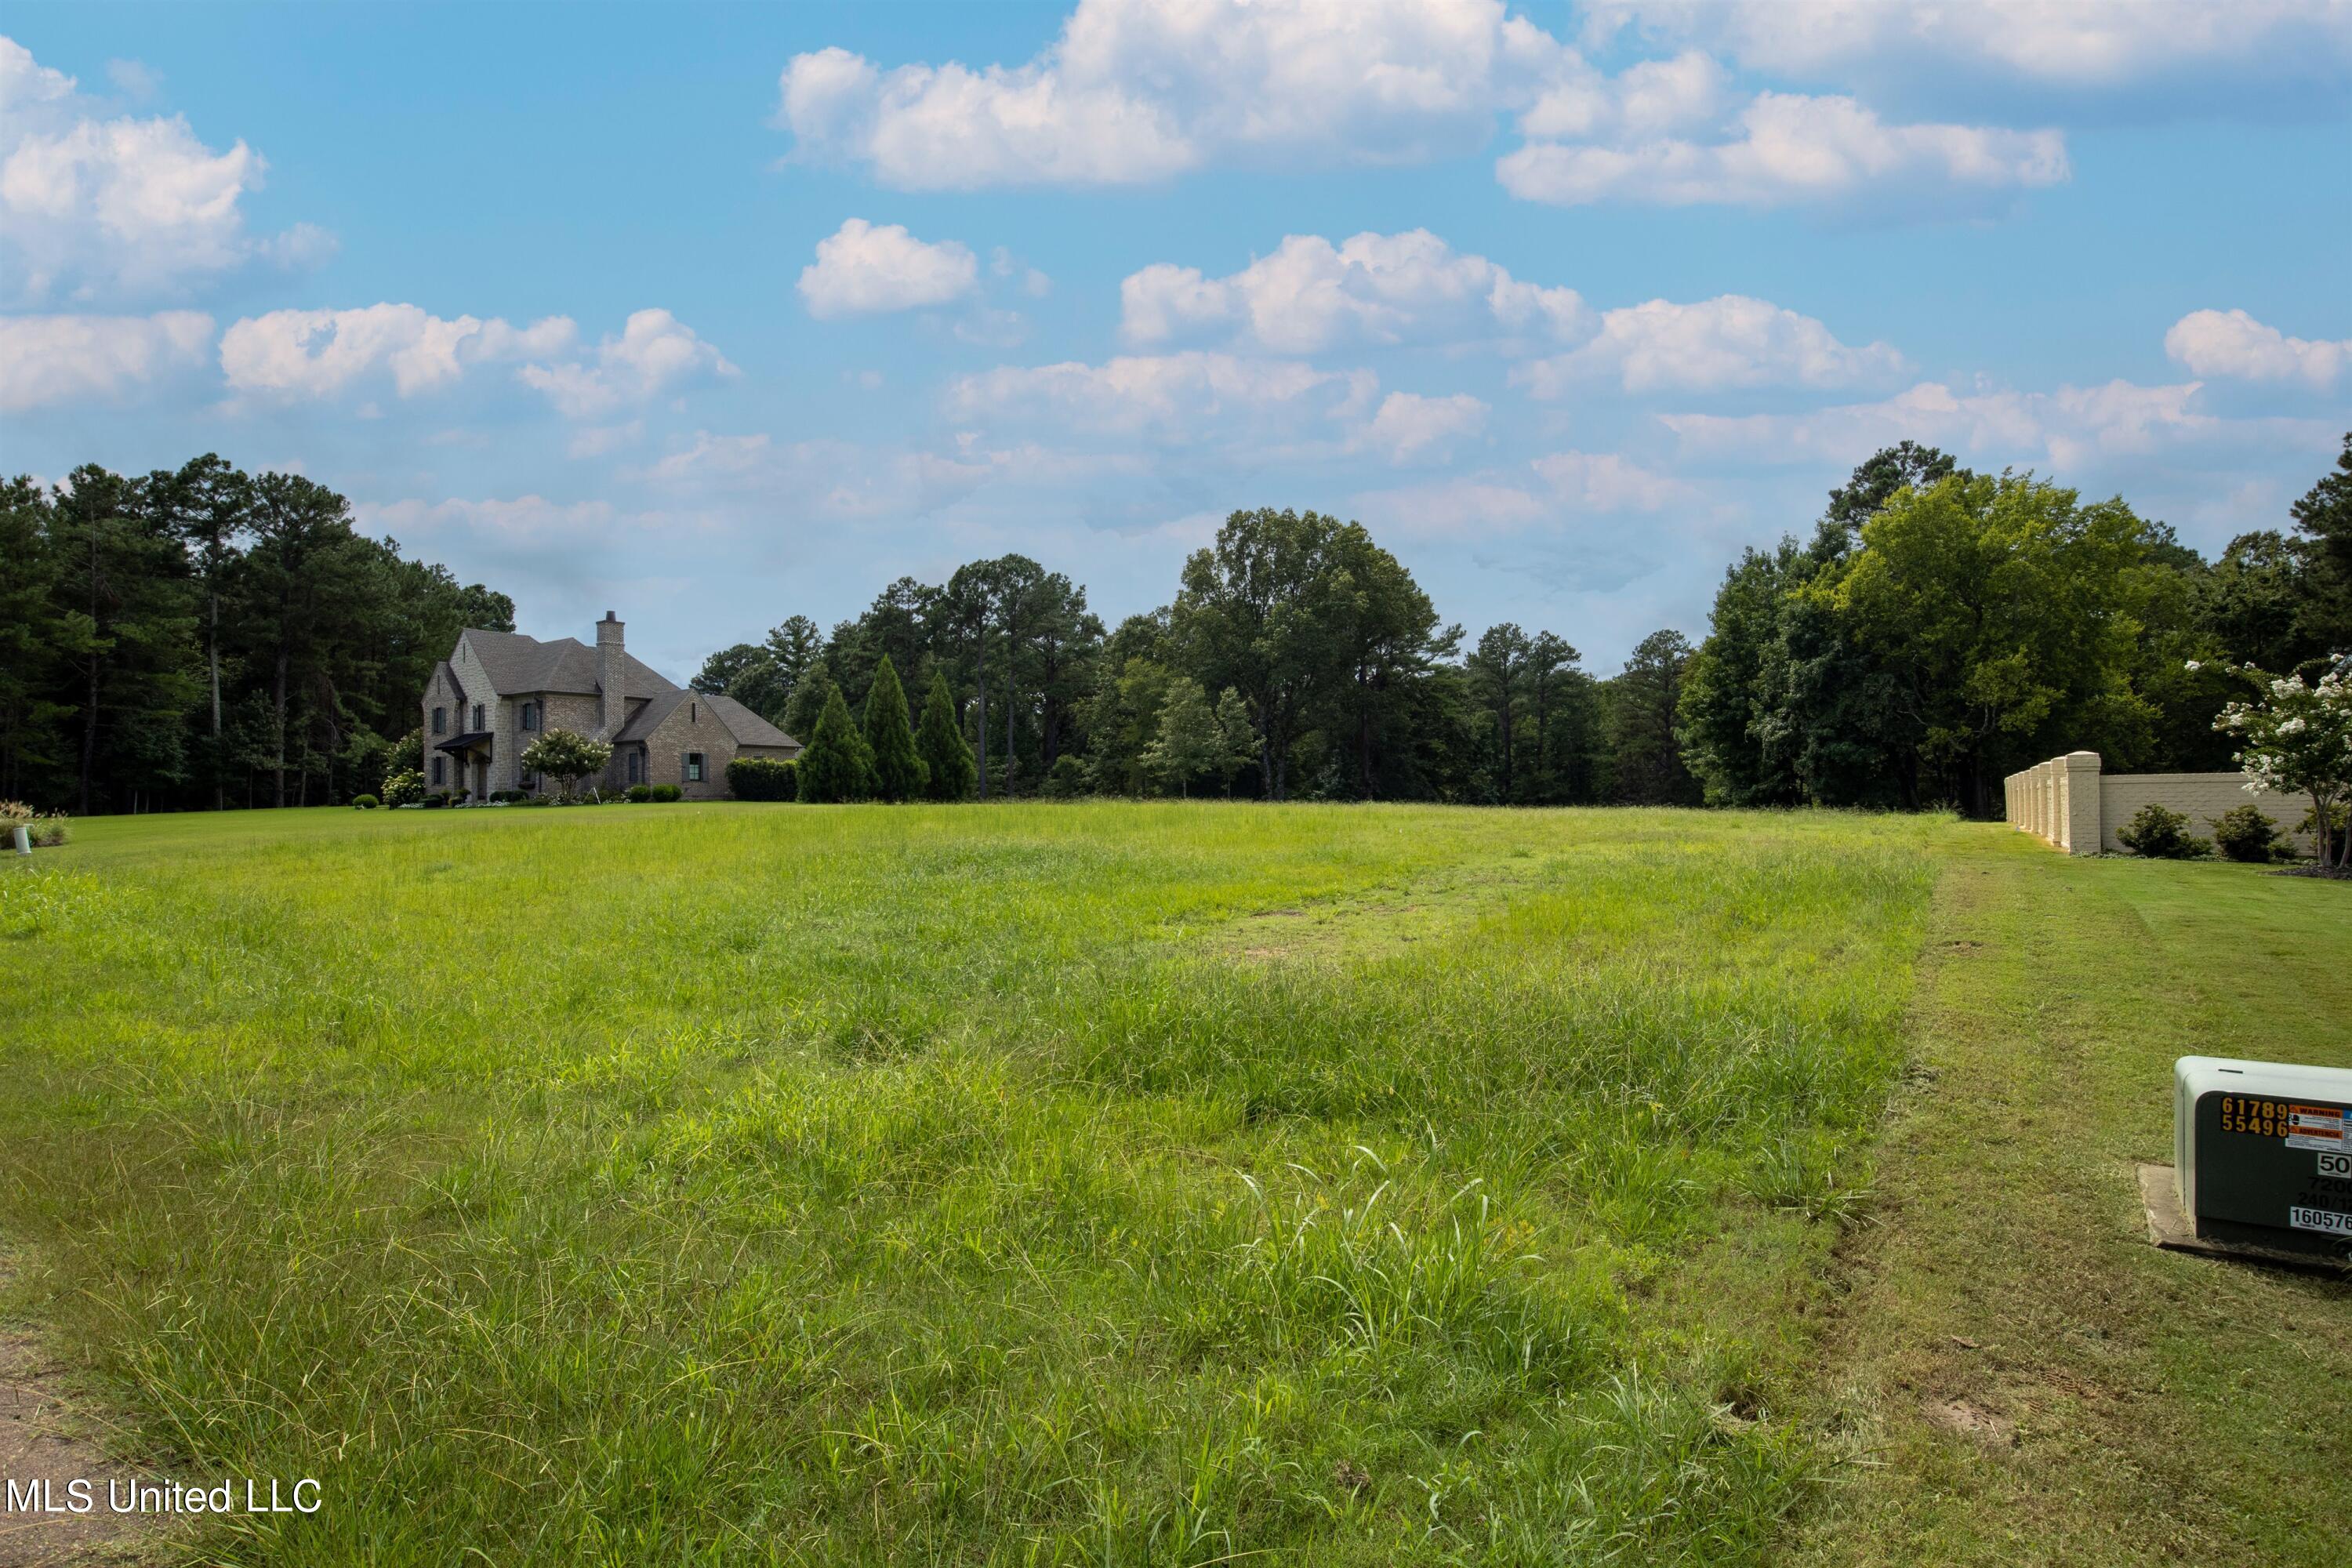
<point>2336,1164</point>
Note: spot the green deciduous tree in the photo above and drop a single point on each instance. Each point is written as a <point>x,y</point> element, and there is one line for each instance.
<point>2323,544</point>
<point>2000,610</point>
<point>1196,739</point>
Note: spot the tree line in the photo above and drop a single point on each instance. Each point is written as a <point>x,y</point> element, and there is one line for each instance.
<point>200,638</point>
<point>1297,659</point>
<point>1943,629</point>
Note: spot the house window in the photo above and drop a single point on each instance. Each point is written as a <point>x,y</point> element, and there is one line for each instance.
<point>694,767</point>
<point>440,721</point>
<point>479,717</point>
<point>531,715</point>
<point>637,767</point>
<point>440,772</point>
<point>528,781</point>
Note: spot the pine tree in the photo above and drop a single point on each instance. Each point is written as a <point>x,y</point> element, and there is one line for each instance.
<point>946,755</point>
<point>833,767</point>
<point>897,772</point>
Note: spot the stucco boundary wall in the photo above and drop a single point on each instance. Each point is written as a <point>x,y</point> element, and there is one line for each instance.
<point>2070,803</point>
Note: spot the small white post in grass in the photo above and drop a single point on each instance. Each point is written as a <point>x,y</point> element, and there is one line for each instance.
<point>24,841</point>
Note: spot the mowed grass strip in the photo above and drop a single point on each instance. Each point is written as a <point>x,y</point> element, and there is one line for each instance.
<point>750,1185</point>
<point>2021,1376</point>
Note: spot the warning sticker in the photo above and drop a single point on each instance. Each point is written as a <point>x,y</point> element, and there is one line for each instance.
<point>2326,1220</point>
<point>2319,1127</point>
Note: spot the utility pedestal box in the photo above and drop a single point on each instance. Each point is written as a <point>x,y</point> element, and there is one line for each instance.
<point>2263,1154</point>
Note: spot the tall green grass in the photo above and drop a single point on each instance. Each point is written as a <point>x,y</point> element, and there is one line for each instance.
<point>1092,1184</point>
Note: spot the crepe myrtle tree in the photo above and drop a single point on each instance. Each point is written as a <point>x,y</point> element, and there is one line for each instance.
<point>568,755</point>
<point>2298,736</point>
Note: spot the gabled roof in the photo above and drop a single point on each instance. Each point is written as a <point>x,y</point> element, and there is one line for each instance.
<point>748,727</point>
<point>456,685</point>
<point>516,664</point>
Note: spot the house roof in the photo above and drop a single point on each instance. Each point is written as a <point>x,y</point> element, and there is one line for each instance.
<point>518,664</point>
<point>456,685</point>
<point>748,727</point>
<point>467,742</point>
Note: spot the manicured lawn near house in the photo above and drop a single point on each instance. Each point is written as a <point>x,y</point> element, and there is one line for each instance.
<point>2020,1376</point>
<point>1150,1183</point>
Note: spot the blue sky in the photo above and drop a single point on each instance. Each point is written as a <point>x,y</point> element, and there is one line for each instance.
<point>715,314</point>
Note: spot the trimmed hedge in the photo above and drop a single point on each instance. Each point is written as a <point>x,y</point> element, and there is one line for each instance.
<point>664,792</point>
<point>363,803</point>
<point>763,778</point>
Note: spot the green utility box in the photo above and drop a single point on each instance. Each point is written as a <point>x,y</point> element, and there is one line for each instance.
<point>2262,1153</point>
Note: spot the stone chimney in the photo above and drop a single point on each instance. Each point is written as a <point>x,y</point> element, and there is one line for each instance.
<point>609,664</point>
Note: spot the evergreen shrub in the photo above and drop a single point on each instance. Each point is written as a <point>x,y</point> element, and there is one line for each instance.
<point>2247,832</point>
<point>2159,833</point>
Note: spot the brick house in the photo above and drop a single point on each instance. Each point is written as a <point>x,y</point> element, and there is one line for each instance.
<point>497,692</point>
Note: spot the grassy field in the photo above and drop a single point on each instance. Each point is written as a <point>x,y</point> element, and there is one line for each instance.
<point>1143,1184</point>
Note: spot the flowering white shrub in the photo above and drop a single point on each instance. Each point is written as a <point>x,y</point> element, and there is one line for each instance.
<point>2298,736</point>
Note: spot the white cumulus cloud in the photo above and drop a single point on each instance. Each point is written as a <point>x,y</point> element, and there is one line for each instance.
<point>861,270</point>
<point>1162,395</point>
<point>1605,481</point>
<point>2067,428</point>
<point>1709,346</point>
<point>1790,149</point>
<point>1544,493</point>
<point>1311,294</point>
<point>1137,91</point>
<point>2078,43</point>
<point>656,354</point>
<point>94,207</point>
<point>1408,426</point>
<point>2232,343</point>
<point>46,360</point>
<point>318,353</point>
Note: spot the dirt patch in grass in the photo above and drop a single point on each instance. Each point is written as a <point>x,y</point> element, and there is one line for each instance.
<point>44,1443</point>
<point>1970,1420</point>
<point>1382,919</point>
